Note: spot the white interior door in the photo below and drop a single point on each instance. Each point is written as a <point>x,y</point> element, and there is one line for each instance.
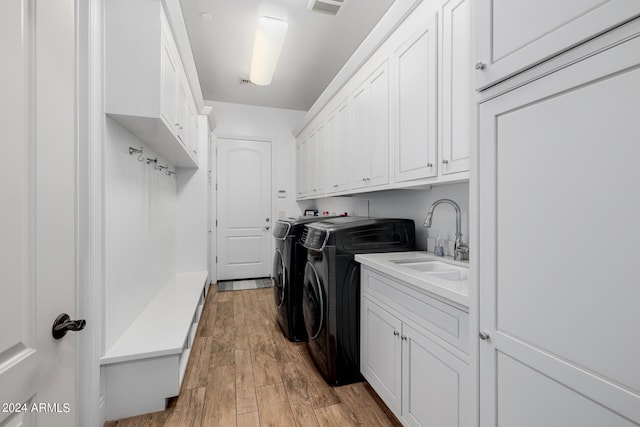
<point>244,209</point>
<point>37,218</point>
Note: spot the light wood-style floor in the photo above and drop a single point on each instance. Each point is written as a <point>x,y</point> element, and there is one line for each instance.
<point>243,372</point>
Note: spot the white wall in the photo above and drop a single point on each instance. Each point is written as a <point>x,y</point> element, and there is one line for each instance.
<point>140,230</point>
<point>272,124</point>
<point>412,204</point>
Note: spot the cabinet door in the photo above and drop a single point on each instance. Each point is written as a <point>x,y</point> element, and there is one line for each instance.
<point>359,151</point>
<point>184,98</point>
<point>319,151</point>
<point>435,383</point>
<point>456,96</point>
<point>515,34</point>
<point>563,344</point>
<point>416,103</point>
<point>169,85</point>
<point>299,169</point>
<point>381,353</point>
<point>304,160</point>
<point>310,164</point>
<point>378,124</point>
<point>194,134</point>
<point>337,160</point>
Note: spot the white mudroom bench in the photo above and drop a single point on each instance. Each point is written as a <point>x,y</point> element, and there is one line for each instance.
<point>147,363</point>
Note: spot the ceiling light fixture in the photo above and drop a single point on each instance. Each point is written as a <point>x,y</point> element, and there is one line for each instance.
<point>266,49</point>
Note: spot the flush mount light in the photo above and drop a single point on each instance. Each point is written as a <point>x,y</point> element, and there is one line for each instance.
<point>206,16</point>
<point>266,49</point>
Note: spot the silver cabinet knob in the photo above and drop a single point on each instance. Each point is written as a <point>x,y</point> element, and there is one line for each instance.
<point>429,165</point>
<point>484,336</point>
<point>480,65</point>
<point>445,162</point>
<point>396,333</point>
<point>403,337</point>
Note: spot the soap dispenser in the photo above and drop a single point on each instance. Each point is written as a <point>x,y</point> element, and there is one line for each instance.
<point>438,248</point>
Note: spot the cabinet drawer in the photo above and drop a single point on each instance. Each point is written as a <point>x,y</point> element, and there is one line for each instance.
<point>443,320</point>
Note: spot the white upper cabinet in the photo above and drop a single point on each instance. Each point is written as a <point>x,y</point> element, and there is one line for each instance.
<point>456,94</point>
<point>305,166</point>
<point>407,117</point>
<point>300,165</point>
<point>311,163</point>
<point>415,104</point>
<point>169,80</point>
<point>515,34</point>
<point>358,151</point>
<point>318,160</point>
<point>146,90</point>
<point>369,148</point>
<point>379,127</point>
<point>193,127</point>
<point>337,155</point>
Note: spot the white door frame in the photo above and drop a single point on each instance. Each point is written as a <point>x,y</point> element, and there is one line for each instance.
<point>90,210</point>
<point>214,218</point>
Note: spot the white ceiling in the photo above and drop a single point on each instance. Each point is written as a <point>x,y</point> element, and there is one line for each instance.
<point>315,49</point>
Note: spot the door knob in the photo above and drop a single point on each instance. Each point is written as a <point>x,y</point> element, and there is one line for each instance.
<point>266,227</point>
<point>267,219</point>
<point>484,336</point>
<point>63,324</point>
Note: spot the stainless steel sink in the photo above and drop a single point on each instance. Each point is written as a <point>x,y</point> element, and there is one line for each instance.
<point>440,269</point>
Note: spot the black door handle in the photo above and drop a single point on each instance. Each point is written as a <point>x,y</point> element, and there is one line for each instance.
<point>63,324</point>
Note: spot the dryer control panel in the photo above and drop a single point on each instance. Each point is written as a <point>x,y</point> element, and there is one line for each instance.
<point>281,230</point>
<point>315,239</point>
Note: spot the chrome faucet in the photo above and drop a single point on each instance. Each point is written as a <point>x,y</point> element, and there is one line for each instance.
<point>460,250</point>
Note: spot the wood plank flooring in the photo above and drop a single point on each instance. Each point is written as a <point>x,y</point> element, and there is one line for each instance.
<point>243,372</point>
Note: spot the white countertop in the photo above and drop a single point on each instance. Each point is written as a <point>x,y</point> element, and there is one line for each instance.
<point>454,291</point>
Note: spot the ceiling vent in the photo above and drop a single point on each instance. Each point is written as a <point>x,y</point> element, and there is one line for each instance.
<point>246,81</point>
<point>330,7</point>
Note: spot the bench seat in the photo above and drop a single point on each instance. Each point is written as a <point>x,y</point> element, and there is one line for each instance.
<point>146,365</point>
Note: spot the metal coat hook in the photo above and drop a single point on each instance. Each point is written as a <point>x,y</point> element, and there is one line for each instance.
<point>161,167</point>
<point>154,160</point>
<point>137,151</point>
<point>170,173</point>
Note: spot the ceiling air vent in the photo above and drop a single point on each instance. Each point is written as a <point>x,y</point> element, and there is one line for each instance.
<point>330,7</point>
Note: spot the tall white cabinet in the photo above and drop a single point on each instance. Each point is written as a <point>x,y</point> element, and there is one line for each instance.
<point>558,204</point>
